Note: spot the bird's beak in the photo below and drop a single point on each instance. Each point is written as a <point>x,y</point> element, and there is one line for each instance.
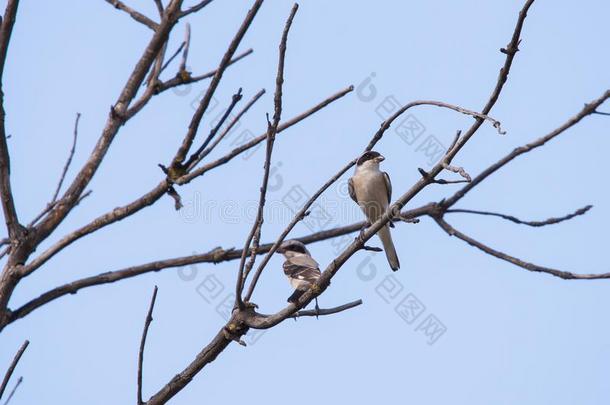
<point>280,250</point>
<point>380,158</point>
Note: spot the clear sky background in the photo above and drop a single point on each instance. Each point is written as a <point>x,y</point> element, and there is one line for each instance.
<point>511,336</point>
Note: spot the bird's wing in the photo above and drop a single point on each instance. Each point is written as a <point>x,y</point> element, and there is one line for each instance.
<point>352,191</point>
<point>302,267</point>
<point>388,186</point>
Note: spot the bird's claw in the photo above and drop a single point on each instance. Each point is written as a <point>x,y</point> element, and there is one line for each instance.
<point>360,237</point>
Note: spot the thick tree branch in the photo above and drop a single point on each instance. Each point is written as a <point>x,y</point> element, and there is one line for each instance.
<point>6,194</point>
<point>214,256</point>
<point>115,120</point>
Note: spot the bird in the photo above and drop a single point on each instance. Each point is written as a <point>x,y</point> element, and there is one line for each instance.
<point>371,189</point>
<point>300,268</point>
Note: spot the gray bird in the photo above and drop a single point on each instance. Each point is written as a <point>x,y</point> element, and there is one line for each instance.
<point>301,270</point>
<point>371,189</point>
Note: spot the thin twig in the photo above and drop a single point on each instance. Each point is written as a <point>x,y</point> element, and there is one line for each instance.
<point>69,161</point>
<point>550,221</point>
<point>136,15</point>
<point>116,119</point>
<point>272,129</point>
<point>178,80</point>
<point>185,53</point>
<point>327,311</point>
<point>12,366</point>
<point>301,213</point>
<point>147,322</point>
<point>262,322</point>
<point>588,109</point>
<point>229,127</point>
<point>160,189</point>
<point>17,384</point>
<point>214,256</point>
<point>171,58</point>
<point>205,101</point>
<point>250,144</point>
<point>566,275</point>
<point>159,5</point>
<point>196,156</point>
<point>195,8</point>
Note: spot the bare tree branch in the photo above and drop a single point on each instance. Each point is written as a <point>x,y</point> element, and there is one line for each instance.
<point>205,101</point>
<point>160,189</point>
<point>329,311</point>
<point>253,239</point>
<point>115,120</point>
<point>159,5</point>
<point>136,15</point>
<point>230,126</point>
<point>6,194</point>
<point>147,322</point>
<point>250,144</point>
<point>178,80</point>
<point>171,58</point>
<point>216,255</point>
<point>254,320</point>
<point>51,204</point>
<point>10,395</point>
<point>587,110</point>
<point>185,53</point>
<point>566,275</point>
<point>301,213</point>
<point>196,156</point>
<point>550,221</point>
<point>12,366</point>
<point>195,8</point>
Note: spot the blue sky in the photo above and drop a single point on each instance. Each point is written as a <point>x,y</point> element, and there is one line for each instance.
<point>511,336</point>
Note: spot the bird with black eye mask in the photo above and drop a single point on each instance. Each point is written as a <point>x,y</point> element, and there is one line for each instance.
<point>371,189</point>
<point>300,268</point>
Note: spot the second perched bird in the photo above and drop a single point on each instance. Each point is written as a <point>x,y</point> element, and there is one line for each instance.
<point>371,189</point>
<point>302,271</point>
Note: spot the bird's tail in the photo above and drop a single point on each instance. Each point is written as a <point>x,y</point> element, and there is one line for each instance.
<point>295,296</point>
<point>388,247</point>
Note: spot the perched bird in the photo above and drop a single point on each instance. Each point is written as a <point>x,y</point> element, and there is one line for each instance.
<point>302,271</point>
<point>371,189</point>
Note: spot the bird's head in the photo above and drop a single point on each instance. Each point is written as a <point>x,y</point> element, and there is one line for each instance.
<point>291,247</point>
<point>370,157</point>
